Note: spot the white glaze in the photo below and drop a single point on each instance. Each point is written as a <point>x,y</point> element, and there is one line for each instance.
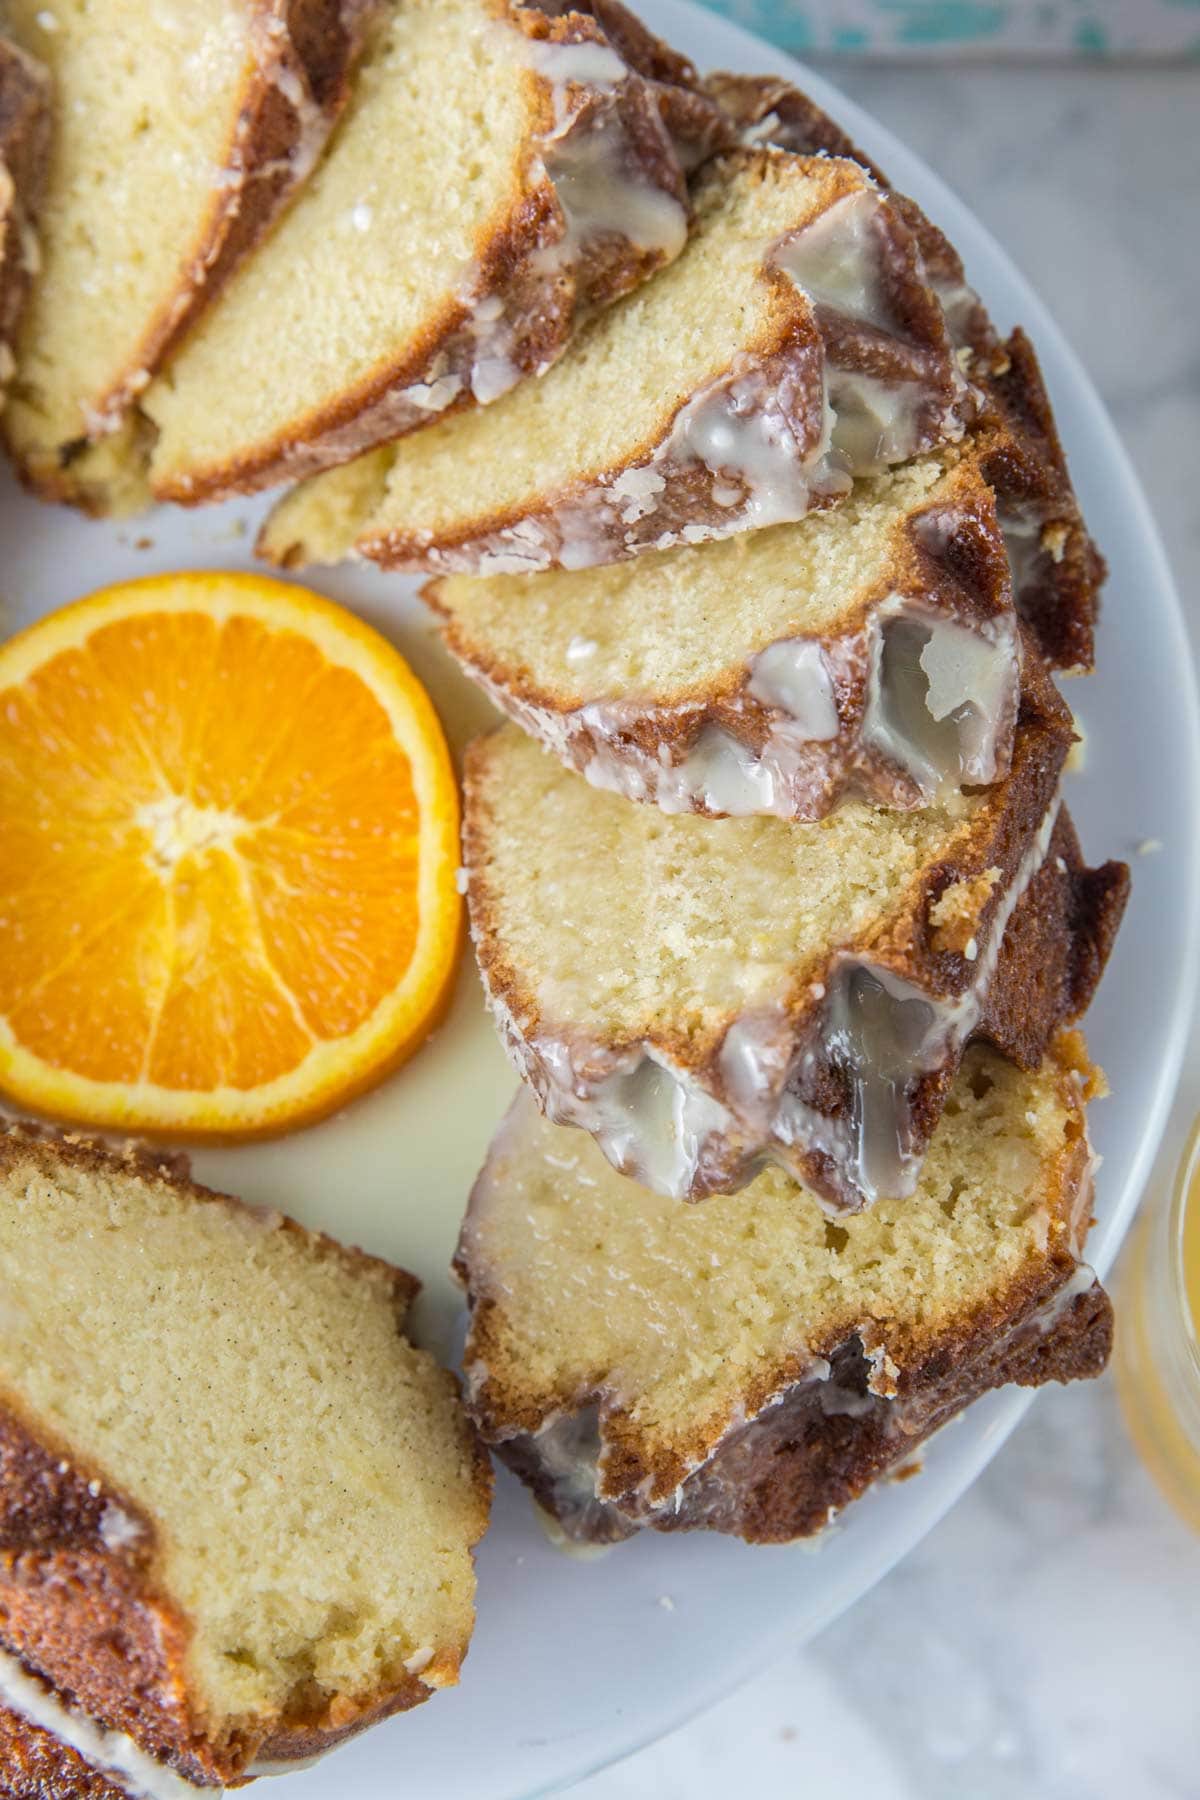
<point>720,775</point>
<point>1051,1313</point>
<point>599,198</point>
<point>112,1753</point>
<point>578,1549</point>
<point>793,675</point>
<point>886,1031</point>
<point>740,431</point>
<point>119,1530</point>
<point>589,169</point>
<point>566,65</point>
<point>833,261</point>
<point>651,1119</point>
<point>964,678</point>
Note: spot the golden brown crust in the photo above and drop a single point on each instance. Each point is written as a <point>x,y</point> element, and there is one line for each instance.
<point>946,557</point>
<point>1059,570</point>
<point>24,160</point>
<point>799,1459</point>
<point>91,1615</point>
<point>780,367</point>
<point>514,262</point>
<point>296,85</point>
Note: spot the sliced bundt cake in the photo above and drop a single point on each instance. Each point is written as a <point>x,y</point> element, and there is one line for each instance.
<point>870,648</point>
<point>239,1506</point>
<point>24,149</point>
<point>792,345</point>
<point>1058,571</point>
<point>178,131</point>
<point>745,1366</point>
<point>499,172</point>
<point>701,994</point>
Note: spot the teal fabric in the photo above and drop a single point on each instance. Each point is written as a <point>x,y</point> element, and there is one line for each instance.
<point>975,27</point>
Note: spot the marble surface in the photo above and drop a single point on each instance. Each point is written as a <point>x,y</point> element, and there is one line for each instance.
<point>1043,1642</point>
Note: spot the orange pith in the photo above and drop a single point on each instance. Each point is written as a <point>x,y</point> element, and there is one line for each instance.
<point>228,840</point>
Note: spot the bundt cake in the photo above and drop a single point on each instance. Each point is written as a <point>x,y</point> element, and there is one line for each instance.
<point>499,172</point>
<point>178,132</point>
<point>700,994</point>
<point>870,648</point>
<point>792,345</point>
<point>1058,571</point>
<point>24,149</point>
<point>239,1506</point>
<point>747,1367</point>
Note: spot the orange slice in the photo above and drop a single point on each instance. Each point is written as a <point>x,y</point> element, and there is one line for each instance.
<point>228,841</point>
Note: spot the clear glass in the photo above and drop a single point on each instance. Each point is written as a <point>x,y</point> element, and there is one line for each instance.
<point>1158,1338</point>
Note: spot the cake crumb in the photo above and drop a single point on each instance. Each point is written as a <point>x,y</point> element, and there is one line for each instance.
<point>906,1470</point>
<point>666,1602</point>
<point>1149,846</point>
<point>955,914</point>
<point>1054,540</point>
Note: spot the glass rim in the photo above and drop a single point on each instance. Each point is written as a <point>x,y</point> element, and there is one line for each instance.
<point>1186,1184</point>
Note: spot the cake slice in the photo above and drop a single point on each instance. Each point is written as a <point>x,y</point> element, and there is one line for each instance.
<point>745,1366</point>
<point>178,132</point>
<point>871,649</point>
<point>499,172</point>
<point>1058,571</point>
<point>238,1505</point>
<point>792,345</point>
<point>24,148</point>
<point>704,994</point>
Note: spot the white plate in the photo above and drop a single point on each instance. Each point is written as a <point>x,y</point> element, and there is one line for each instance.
<point>575,1664</point>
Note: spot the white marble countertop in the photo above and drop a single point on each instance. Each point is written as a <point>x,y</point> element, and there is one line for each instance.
<point>1043,1642</point>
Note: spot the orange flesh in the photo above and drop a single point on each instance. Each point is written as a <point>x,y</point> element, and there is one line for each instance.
<point>211,841</point>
